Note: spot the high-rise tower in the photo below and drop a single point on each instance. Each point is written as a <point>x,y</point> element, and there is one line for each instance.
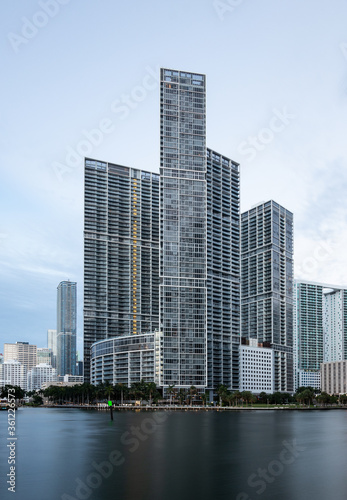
<point>121,253</point>
<point>183,262</point>
<point>66,327</point>
<point>267,285</point>
<point>223,271</point>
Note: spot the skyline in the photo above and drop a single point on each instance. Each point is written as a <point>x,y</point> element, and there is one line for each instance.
<point>61,88</point>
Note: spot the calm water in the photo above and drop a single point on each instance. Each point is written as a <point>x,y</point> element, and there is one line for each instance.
<point>177,455</point>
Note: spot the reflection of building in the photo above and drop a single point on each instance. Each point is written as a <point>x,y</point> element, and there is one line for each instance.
<point>334,377</point>
<point>308,333</point>
<point>127,359</point>
<point>39,374</point>
<point>256,368</point>
<point>66,328</point>
<point>121,253</point>
<point>13,372</point>
<point>52,344</point>
<point>267,285</point>
<point>335,324</point>
<point>23,352</point>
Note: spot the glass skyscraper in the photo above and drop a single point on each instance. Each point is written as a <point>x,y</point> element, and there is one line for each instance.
<point>66,327</point>
<point>223,271</point>
<point>163,251</point>
<point>267,285</point>
<point>183,226</point>
<point>121,253</point>
<point>308,332</point>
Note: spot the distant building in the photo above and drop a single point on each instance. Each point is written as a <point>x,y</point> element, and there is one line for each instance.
<point>335,324</point>
<point>13,372</point>
<point>309,379</point>
<point>39,374</point>
<point>73,378</point>
<point>267,285</point>
<point>52,344</point>
<point>256,368</point>
<point>308,333</point>
<point>44,355</point>
<point>334,377</point>
<point>23,352</point>
<point>1,358</point>
<point>45,385</point>
<point>127,359</point>
<point>66,327</point>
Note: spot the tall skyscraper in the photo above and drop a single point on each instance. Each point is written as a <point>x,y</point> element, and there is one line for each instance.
<point>52,344</point>
<point>335,324</point>
<point>223,271</point>
<point>121,253</point>
<point>183,226</point>
<point>23,352</point>
<point>66,327</point>
<point>267,285</point>
<point>308,333</point>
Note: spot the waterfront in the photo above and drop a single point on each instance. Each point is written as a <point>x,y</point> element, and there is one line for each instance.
<point>169,455</point>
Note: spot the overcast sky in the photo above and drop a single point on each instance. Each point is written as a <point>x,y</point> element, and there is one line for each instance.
<point>81,77</point>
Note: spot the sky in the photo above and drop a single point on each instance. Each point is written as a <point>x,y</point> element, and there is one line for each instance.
<point>80,78</point>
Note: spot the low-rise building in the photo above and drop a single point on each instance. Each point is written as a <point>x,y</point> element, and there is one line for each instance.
<point>127,359</point>
<point>12,372</point>
<point>256,368</point>
<point>334,377</point>
<point>43,372</point>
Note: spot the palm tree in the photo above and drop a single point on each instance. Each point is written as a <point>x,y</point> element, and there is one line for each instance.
<point>222,392</point>
<point>204,397</point>
<point>192,392</point>
<point>182,395</point>
<point>151,387</point>
<point>236,396</point>
<point>170,390</point>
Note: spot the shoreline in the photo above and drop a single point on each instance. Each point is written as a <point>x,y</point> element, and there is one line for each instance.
<point>189,408</point>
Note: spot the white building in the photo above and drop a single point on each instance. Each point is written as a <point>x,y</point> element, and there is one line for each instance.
<point>12,372</point>
<point>256,368</point>
<point>309,379</point>
<point>127,359</point>
<point>39,374</point>
<point>335,325</point>
<point>73,378</point>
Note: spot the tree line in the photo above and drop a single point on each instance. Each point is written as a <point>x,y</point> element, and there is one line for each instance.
<point>147,391</point>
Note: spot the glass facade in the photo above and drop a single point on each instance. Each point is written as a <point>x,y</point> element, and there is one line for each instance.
<point>223,271</point>
<point>308,332</point>
<point>127,359</point>
<point>121,253</point>
<point>183,271</point>
<point>267,285</point>
<point>66,327</point>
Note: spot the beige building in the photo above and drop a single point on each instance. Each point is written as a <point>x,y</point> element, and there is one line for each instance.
<point>23,352</point>
<point>334,377</point>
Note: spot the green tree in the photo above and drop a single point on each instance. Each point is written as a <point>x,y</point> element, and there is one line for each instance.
<point>204,398</point>
<point>222,392</point>
<point>171,391</point>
